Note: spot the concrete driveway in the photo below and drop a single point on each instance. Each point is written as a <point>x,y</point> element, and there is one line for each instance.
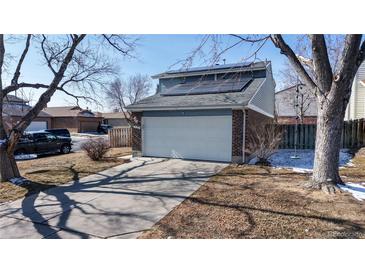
<point>120,202</point>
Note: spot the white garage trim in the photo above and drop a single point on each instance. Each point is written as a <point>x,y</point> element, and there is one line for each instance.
<point>188,135</point>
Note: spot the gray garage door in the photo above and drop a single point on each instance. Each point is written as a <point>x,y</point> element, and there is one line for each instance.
<point>37,125</point>
<point>188,136</point>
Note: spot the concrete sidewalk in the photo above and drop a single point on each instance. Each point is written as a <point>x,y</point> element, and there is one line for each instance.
<point>120,202</point>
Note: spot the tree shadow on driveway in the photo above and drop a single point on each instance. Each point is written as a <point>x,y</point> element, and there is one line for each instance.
<point>54,207</point>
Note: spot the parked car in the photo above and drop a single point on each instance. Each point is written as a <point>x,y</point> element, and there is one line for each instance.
<point>63,132</point>
<point>43,142</point>
<point>104,128</point>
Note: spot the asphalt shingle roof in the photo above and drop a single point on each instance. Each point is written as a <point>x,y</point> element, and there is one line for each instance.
<point>69,111</point>
<point>228,99</point>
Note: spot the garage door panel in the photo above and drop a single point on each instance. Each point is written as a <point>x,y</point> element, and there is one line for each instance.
<point>190,137</point>
<point>37,125</point>
<point>88,126</point>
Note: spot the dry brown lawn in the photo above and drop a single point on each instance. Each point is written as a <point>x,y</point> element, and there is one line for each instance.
<point>54,170</point>
<point>262,202</point>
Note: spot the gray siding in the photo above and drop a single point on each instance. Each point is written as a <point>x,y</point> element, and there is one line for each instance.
<point>264,98</point>
<point>285,101</point>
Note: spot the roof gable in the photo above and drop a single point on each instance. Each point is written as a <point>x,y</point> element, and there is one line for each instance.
<point>285,101</point>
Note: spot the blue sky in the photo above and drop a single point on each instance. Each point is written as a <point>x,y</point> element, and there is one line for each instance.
<point>155,54</point>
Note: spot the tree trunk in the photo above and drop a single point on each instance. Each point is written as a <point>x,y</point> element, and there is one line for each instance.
<point>328,143</point>
<point>8,166</point>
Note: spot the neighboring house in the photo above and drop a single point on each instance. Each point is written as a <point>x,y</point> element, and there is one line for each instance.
<point>14,108</point>
<point>115,119</point>
<point>201,113</point>
<point>74,118</point>
<point>356,106</point>
<point>297,103</point>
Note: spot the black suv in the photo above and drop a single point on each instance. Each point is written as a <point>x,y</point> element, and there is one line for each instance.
<point>62,132</point>
<point>42,143</point>
<point>104,128</point>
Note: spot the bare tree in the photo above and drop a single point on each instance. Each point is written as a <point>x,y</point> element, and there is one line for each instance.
<point>289,77</point>
<point>77,68</point>
<point>332,87</point>
<point>331,82</point>
<point>122,93</point>
<point>263,140</point>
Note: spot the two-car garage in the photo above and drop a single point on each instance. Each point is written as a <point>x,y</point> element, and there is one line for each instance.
<point>200,135</point>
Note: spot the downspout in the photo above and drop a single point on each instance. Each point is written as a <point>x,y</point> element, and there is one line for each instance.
<point>244,135</point>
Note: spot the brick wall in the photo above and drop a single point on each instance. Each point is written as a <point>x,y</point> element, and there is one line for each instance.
<point>137,135</point>
<point>237,136</point>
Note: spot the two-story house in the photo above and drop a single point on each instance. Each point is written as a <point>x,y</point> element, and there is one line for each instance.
<point>201,113</point>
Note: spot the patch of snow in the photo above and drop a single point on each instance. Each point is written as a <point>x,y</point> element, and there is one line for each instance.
<point>304,163</point>
<point>25,156</point>
<point>302,170</point>
<point>357,190</point>
<point>19,181</point>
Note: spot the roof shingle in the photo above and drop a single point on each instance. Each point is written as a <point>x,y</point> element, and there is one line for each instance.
<point>227,99</point>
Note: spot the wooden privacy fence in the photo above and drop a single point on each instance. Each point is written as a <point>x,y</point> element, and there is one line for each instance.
<point>120,137</point>
<point>353,135</point>
<point>306,136</point>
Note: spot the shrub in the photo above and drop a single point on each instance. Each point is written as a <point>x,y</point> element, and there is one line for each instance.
<point>263,140</point>
<point>96,148</point>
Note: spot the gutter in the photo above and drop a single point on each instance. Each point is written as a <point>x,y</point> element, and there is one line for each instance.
<point>140,109</point>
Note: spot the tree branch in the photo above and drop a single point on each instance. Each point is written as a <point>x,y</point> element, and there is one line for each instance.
<point>351,54</point>
<point>48,60</point>
<point>117,46</point>
<point>2,56</point>
<point>78,97</point>
<point>279,42</point>
<point>16,76</point>
<point>321,63</point>
<point>12,88</point>
<point>361,56</point>
<point>306,61</point>
<point>250,40</point>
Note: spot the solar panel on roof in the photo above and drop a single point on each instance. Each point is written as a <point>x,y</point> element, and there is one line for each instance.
<point>207,87</point>
<point>213,67</point>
